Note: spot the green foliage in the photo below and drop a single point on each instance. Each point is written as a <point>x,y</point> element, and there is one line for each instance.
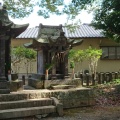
<point>72,64</point>
<point>115,82</point>
<point>19,54</point>
<point>71,54</point>
<point>48,66</point>
<point>107,18</point>
<point>93,55</point>
<point>22,52</point>
<point>19,8</point>
<point>29,54</point>
<point>46,7</point>
<point>76,55</point>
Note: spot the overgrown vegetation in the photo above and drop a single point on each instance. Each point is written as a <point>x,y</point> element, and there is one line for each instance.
<point>107,94</point>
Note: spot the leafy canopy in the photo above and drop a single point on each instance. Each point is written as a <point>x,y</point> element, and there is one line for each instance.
<point>23,53</point>
<point>19,8</point>
<point>107,18</point>
<point>106,12</point>
<point>22,8</point>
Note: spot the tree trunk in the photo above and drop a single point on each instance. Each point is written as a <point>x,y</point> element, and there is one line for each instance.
<point>46,75</point>
<point>73,72</point>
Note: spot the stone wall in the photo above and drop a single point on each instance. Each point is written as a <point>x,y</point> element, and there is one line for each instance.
<point>70,98</point>
<point>50,83</point>
<point>38,81</point>
<point>16,85</point>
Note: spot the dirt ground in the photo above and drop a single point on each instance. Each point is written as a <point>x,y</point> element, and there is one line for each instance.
<point>83,113</point>
<point>89,113</point>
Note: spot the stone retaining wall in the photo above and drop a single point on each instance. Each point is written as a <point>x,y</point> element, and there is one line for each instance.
<point>70,97</point>
<point>47,84</point>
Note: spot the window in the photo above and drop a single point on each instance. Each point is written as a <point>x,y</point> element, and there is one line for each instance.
<point>110,53</point>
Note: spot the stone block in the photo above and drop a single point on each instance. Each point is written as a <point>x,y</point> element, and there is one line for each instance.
<point>4,87</point>
<point>14,76</point>
<point>16,85</point>
<point>36,81</point>
<point>4,91</point>
<point>50,83</point>
<point>59,106</point>
<point>4,84</point>
<point>38,84</point>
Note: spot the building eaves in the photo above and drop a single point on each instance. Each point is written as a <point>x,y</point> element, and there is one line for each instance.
<point>29,33</point>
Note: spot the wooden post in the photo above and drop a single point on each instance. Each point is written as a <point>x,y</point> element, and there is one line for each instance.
<point>110,76</point>
<point>99,78</point>
<point>116,75</point>
<point>81,76</point>
<point>93,79</point>
<point>113,75</point>
<point>103,77</point>
<point>23,79</point>
<point>87,79</point>
<point>107,77</point>
<point>119,75</point>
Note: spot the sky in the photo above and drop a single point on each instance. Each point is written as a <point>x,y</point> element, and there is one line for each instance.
<point>35,20</point>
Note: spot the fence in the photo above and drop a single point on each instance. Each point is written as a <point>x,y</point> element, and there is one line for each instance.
<point>87,79</point>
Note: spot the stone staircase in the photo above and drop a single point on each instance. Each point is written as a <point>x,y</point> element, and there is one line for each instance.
<point>29,107</point>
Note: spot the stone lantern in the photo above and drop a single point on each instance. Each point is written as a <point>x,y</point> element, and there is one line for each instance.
<point>8,30</point>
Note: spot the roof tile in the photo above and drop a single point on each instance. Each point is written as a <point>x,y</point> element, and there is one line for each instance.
<point>83,31</point>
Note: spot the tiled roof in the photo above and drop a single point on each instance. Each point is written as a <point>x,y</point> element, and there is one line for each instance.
<point>29,33</point>
<point>84,31</point>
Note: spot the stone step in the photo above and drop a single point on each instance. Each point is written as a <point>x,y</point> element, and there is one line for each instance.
<point>4,91</point>
<point>24,112</point>
<point>14,97</point>
<point>25,103</point>
<point>63,87</point>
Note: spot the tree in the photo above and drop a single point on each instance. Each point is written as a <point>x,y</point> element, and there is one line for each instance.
<point>76,56</point>
<point>107,18</point>
<point>71,56</point>
<point>16,58</point>
<point>29,57</point>
<point>20,54</point>
<point>93,55</point>
<point>19,9</point>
